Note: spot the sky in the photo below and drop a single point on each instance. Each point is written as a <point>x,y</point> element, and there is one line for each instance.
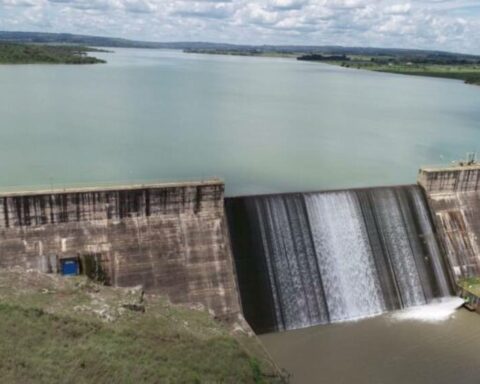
<point>452,25</point>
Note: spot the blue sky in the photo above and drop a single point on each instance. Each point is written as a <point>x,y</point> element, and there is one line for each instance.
<point>436,24</point>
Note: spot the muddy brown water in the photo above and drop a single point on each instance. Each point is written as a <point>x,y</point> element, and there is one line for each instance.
<point>382,350</point>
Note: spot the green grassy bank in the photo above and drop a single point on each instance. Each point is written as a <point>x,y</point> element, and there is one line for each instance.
<point>70,330</point>
<point>469,73</point>
<point>471,285</point>
<point>48,54</point>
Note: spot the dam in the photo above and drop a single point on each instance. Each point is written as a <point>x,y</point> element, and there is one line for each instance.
<point>284,261</point>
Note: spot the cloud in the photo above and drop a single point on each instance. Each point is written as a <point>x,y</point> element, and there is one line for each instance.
<point>19,3</point>
<point>398,9</point>
<point>439,24</point>
<point>139,6</point>
<point>203,9</point>
<point>346,4</point>
<point>287,5</point>
<point>89,4</point>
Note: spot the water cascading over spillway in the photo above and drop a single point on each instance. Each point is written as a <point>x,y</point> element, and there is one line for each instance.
<point>315,258</point>
<point>345,261</point>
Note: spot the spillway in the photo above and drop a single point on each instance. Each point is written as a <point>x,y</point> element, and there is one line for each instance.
<point>313,258</point>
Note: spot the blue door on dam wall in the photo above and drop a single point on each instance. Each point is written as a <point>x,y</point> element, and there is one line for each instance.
<point>69,267</point>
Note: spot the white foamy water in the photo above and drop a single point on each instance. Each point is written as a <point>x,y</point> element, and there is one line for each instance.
<point>437,311</point>
<point>345,259</point>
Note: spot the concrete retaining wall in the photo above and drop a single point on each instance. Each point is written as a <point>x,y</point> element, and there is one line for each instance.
<point>454,198</point>
<point>170,238</point>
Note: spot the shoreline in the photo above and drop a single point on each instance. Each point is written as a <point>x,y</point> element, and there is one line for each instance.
<point>443,71</point>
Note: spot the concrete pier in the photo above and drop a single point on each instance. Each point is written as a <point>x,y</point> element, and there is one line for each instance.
<point>450,179</point>
<point>453,195</point>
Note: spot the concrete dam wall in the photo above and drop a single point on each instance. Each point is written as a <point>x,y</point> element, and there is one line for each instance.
<point>454,198</point>
<point>313,258</point>
<point>171,239</point>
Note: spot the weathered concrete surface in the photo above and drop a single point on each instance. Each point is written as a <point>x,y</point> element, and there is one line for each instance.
<point>170,238</point>
<point>453,195</point>
<point>450,179</point>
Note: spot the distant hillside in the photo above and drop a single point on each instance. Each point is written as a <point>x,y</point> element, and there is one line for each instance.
<point>97,41</point>
<point>101,41</point>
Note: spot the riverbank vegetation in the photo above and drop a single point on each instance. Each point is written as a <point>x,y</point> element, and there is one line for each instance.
<point>13,53</point>
<point>471,285</point>
<point>469,72</point>
<point>399,61</point>
<point>65,330</point>
<point>446,65</point>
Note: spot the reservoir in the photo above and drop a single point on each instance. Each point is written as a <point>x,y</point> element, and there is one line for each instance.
<point>382,350</point>
<point>264,125</point>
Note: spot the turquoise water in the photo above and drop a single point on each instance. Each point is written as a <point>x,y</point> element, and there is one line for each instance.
<point>263,125</point>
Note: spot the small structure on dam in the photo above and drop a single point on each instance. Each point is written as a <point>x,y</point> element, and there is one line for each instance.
<point>454,198</point>
<point>169,238</point>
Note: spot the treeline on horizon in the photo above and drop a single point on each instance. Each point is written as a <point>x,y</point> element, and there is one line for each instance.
<point>432,59</point>
<point>318,57</point>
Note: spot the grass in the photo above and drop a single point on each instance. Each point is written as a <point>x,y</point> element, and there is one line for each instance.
<point>11,53</point>
<point>469,73</point>
<point>471,285</point>
<point>56,330</point>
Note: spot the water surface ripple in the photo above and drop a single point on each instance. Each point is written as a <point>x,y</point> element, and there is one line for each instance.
<point>264,125</point>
